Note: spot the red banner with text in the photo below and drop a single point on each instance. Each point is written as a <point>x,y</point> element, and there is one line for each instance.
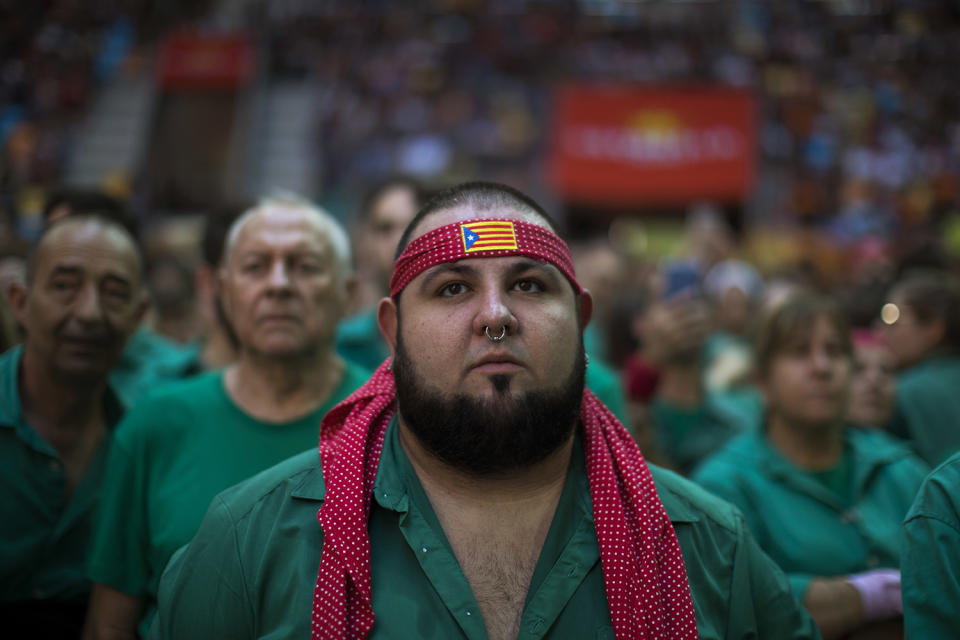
<point>632,146</point>
<point>205,61</point>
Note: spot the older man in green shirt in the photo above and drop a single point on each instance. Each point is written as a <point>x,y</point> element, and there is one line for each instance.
<point>82,300</point>
<point>474,488</point>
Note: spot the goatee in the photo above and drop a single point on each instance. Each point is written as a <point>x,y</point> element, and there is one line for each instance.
<point>489,436</point>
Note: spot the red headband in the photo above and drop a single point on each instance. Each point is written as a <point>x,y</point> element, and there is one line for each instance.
<point>483,238</point>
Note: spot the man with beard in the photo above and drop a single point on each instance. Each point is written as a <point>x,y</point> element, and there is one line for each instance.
<point>81,301</point>
<point>474,488</point>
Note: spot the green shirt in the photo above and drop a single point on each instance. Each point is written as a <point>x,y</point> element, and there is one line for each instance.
<point>43,535</point>
<point>687,435</point>
<point>805,527</point>
<point>150,359</point>
<point>172,454</point>
<point>931,556</point>
<point>251,570</point>
<point>927,409</point>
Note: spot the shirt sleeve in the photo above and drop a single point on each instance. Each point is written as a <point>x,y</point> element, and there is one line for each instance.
<point>930,571</point>
<point>203,591</point>
<point>762,602</point>
<point>119,555</point>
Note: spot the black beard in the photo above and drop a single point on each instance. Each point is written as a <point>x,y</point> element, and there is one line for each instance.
<point>484,437</point>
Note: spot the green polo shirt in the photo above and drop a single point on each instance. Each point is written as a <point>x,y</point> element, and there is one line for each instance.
<point>931,556</point>
<point>927,408</point>
<point>805,527</point>
<point>174,452</point>
<point>251,570</point>
<point>150,359</point>
<point>43,535</point>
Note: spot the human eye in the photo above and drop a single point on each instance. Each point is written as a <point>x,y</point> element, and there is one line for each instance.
<point>64,284</point>
<point>309,267</point>
<point>452,290</point>
<point>252,266</point>
<point>529,285</point>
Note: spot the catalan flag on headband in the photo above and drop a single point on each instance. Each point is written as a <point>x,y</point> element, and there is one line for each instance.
<point>497,235</point>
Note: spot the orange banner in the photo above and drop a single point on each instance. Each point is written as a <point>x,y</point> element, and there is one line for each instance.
<point>625,146</point>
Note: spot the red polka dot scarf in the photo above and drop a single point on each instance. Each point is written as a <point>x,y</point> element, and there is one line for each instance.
<point>646,582</point>
<point>483,238</point>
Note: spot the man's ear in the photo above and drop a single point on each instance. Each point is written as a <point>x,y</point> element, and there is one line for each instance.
<point>349,294</point>
<point>387,321</point>
<point>585,308</point>
<point>18,294</point>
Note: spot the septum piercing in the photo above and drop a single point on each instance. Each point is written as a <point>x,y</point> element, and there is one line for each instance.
<point>499,338</point>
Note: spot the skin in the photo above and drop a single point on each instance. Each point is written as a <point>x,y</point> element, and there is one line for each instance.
<point>873,386</point>
<point>445,310</point>
<point>806,388</point>
<point>82,303</point>
<point>283,293</point>
<point>380,233</point>
<point>910,339</point>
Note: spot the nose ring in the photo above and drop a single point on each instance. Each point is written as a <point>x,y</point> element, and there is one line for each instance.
<point>499,338</point>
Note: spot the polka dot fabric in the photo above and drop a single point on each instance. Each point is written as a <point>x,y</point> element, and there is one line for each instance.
<point>445,244</point>
<point>646,581</point>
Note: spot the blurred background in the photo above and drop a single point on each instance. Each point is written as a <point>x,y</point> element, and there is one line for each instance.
<point>819,139</point>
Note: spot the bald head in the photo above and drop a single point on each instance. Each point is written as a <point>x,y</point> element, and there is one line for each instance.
<point>83,230</point>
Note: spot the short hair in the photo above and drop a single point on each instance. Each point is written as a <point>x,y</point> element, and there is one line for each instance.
<point>328,226</point>
<point>75,218</point>
<point>380,189</point>
<point>217,224</point>
<point>480,195</point>
<point>795,318</point>
<point>86,202</point>
<point>931,295</point>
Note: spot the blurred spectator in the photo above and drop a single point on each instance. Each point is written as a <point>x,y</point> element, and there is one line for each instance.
<point>689,422</point>
<point>823,500</point>
<point>873,385</point>
<point>734,288</point>
<point>285,281</point>
<point>148,357</point>
<point>601,270</point>
<point>385,212</point>
<point>81,300</point>
<point>921,326</point>
<point>931,556</point>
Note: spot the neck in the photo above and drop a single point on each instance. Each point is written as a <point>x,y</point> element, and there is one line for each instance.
<point>217,351</point>
<point>808,447</point>
<point>283,389</point>
<point>59,408</point>
<point>531,484</point>
<point>681,385</point>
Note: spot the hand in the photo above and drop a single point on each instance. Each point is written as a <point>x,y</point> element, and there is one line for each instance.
<point>675,330</point>
<point>879,592</point>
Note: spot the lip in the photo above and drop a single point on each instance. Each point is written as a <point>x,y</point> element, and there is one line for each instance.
<point>279,317</point>
<point>497,363</point>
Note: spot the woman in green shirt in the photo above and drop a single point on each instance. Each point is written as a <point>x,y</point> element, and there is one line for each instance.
<point>921,325</point>
<point>824,501</point>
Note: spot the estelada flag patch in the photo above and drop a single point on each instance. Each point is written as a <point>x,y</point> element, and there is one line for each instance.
<point>496,235</point>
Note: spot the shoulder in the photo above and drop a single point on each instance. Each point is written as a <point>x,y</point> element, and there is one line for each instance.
<point>739,453</point>
<point>170,407</point>
<point>297,477</point>
<point>687,502</point>
<point>889,451</point>
<point>939,495</point>
<point>9,394</point>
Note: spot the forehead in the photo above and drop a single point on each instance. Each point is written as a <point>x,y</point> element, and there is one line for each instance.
<point>90,245</point>
<point>467,212</point>
<point>396,202</point>
<point>279,228</point>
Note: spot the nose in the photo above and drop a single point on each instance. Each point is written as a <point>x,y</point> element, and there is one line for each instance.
<point>88,308</point>
<point>279,280</point>
<point>494,313</point>
<point>821,361</point>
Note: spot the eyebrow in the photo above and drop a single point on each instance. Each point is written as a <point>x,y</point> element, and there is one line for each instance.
<point>522,266</point>
<point>66,270</point>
